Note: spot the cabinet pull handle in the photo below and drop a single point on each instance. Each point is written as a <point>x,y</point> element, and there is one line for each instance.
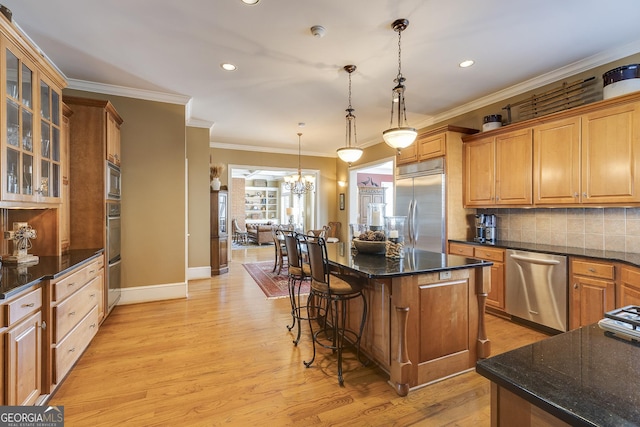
<point>73,313</point>
<point>28,305</point>
<point>92,271</point>
<point>92,295</point>
<point>592,270</point>
<point>93,325</point>
<point>71,284</point>
<point>71,350</point>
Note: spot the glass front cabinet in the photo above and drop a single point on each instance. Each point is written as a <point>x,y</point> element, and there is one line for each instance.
<point>32,115</point>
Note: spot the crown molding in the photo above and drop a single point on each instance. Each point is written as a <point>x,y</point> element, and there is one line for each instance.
<point>225,146</point>
<point>147,95</point>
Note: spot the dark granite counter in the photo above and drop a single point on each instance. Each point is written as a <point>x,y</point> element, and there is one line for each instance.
<point>585,377</point>
<point>415,261</point>
<point>15,278</point>
<point>630,258</point>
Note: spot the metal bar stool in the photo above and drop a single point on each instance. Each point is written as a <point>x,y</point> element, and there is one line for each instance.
<point>299,271</point>
<point>333,292</point>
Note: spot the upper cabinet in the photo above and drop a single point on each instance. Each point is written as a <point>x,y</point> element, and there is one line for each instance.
<point>584,156</point>
<point>31,171</point>
<point>113,138</point>
<point>497,170</point>
<point>430,144</point>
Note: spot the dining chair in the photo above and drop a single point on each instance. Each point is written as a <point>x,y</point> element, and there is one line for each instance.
<point>280,249</point>
<point>299,272</point>
<point>333,292</point>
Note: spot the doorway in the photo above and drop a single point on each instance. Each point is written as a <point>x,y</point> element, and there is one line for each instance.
<point>371,183</point>
<point>258,196</point>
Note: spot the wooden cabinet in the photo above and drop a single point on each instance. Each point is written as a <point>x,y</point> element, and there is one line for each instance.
<point>113,139</point>
<point>31,109</point>
<point>76,308</point>
<point>628,290</point>
<point>592,291</point>
<point>497,170</point>
<point>431,144</point>
<point>611,155</point>
<point>496,296</point>
<point>23,353</point>
<point>219,232</point>
<point>556,162</point>
<point>583,156</point>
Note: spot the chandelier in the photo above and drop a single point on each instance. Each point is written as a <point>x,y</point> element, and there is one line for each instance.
<point>299,184</point>
<point>402,135</point>
<point>350,154</point>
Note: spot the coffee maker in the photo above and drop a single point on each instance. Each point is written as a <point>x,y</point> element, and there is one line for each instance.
<point>485,228</point>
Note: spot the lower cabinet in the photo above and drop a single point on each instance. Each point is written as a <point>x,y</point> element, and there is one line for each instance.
<point>592,291</point>
<point>495,297</point>
<point>75,310</point>
<point>628,292</point>
<point>23,348</point>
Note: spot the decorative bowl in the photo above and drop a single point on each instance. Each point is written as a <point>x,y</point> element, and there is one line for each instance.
<point>370,246</point>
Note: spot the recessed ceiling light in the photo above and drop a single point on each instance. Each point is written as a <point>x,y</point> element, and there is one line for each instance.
<point>467,63</point>
<point>250,2</point>
<point>228,67</point>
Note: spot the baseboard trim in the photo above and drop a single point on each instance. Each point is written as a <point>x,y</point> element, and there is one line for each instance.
<point>194,273</point>
<point>152,293</point>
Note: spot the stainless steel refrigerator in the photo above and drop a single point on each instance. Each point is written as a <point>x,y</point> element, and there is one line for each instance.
<point>420,196</point>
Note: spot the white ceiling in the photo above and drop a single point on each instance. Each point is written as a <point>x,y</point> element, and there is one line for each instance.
<point>172,50</point>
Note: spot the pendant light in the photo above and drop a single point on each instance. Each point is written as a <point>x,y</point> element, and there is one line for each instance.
<point>402,135</point>
<point>350,154</point>
<point>299,184</point>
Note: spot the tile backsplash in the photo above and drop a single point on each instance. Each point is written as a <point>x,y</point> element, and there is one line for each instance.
<point>612,229</point>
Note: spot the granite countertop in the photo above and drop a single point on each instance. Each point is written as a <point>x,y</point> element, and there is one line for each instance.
<point>415,261</point>
<point>630,258</point>
<point>585,377</point>
<point>16,278</point>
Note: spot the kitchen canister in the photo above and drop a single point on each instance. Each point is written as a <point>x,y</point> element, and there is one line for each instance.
<point>492,121</point>
<point>621,80</point>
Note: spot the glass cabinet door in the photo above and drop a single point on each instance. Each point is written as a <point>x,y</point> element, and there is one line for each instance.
<point>50,168</point>
<point>18,172</point>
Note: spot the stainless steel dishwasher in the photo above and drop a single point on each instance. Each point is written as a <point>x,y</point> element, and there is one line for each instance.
<point>537,288</point>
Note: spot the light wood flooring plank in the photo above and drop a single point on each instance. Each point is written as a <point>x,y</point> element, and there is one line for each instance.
<point>223,356</point>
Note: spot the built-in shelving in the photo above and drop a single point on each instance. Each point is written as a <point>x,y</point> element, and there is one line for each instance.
<point>261,204</point>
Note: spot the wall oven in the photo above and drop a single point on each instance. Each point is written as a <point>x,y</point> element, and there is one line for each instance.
<point>113,253</point>
<point>112,182</point>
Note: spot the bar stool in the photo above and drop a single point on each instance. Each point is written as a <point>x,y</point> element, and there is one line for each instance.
<point>299,271</point>
<point>333,292</point>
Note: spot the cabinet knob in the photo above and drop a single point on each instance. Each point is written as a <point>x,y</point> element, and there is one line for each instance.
<point>28,305</point>
<point>576,195</point>
<point>584,195</point>
<point>575,286</point>
<point>43,325</point>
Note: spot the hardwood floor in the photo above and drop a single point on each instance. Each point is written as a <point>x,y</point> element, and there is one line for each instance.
<point>223,356</point>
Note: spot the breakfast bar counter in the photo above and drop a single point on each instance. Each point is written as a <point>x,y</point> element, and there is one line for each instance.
<point>425,319</point>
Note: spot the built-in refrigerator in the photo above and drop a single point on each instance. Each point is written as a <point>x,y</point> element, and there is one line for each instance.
<point>420,196</point>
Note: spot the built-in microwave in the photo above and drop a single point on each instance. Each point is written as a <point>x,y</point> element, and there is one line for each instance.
<point>113,181</point>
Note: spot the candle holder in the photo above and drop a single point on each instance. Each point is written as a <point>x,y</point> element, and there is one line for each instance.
<point>375,216</point>
<point>394,230</point>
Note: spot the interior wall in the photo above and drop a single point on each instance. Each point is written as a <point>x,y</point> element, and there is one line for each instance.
<point>326,186</point>
<point>198,197</point>
<point>153,138</point>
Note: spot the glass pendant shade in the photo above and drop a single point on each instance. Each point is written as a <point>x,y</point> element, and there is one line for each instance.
<point>399,138</point>
<point>350,154</point>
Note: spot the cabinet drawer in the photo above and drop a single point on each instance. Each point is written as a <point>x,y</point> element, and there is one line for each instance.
<point>69,312</point>
<point>593,269</point>
<point>489,254</point>
<point>461,249</point>
<point>70,284</point>
<point>630,276</point>
<point>94,268</point>
<point>22,306</point>
<point>67,352</point>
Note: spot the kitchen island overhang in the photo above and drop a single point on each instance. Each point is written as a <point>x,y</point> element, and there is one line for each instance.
<point>425,320</point>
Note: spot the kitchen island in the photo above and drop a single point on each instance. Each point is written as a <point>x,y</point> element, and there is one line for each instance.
<point>585,377</point>
<point>425,319</point>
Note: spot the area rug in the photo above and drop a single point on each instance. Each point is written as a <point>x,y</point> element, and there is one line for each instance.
<point>272,284</point>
